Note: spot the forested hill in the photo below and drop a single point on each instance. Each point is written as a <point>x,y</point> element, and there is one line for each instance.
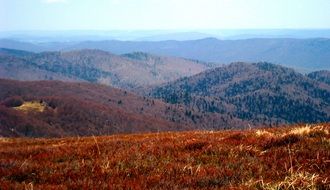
<point>322,76</point>
<point>127,71</point>
<point>258,92</point>
<point>56,109</point>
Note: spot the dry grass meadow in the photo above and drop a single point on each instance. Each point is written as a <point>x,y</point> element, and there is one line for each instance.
<point>294,157</point>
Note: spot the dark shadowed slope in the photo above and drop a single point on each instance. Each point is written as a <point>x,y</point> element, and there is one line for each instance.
<point>260,93</point>
<point>128,71</point>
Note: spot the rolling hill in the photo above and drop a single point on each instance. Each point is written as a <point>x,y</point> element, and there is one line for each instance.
<point>55,109</point>
<point>304,54</point>
<point>197,95</point>
<point>259,92</point>
<point>128,71</point>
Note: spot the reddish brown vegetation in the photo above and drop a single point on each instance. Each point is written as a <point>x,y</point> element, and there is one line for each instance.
<point>89,109</point>
<point>283,158</point>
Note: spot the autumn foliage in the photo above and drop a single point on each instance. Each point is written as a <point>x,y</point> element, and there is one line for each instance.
<point>62,109</point>
<point>294,157</point>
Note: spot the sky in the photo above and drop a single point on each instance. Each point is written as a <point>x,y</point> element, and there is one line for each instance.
<point>18,15</point>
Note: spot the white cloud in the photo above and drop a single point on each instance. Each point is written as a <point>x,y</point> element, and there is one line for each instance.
<point>54,1</point>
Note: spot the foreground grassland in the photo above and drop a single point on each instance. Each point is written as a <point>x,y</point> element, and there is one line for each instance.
<point>295,157</point>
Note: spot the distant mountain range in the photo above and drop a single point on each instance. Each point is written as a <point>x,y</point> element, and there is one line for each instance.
<point>161,35</point>
<point>258,93</point>
<point>303,54</point>
<point>174,94</point>
<point>127,71</point>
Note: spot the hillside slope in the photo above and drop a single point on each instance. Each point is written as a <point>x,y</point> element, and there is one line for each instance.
<point>322,76</point>
<point>128,71</point>
<point>260,93</point>
<point>53,108</point>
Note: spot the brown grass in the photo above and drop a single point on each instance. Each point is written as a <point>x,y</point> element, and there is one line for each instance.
<point>172,160</point>
<point>295,181</point>
<point>308,130</point>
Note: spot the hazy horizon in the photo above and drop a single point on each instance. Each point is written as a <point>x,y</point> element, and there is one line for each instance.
<point>155,15</point>
<point>161,35</point>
